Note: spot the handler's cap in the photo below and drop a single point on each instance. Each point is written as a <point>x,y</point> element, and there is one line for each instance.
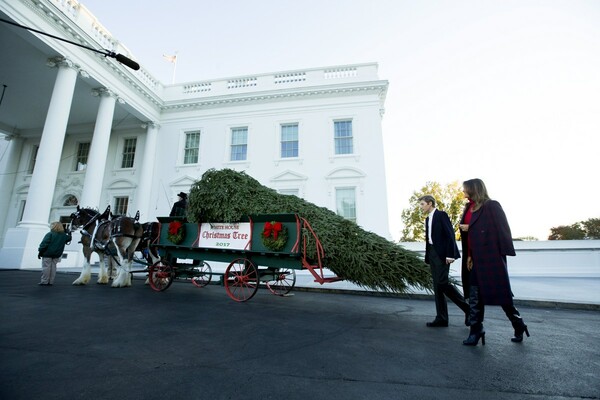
<point>182,195</point>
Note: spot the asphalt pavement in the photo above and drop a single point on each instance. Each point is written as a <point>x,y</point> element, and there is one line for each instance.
<point>98,342</point>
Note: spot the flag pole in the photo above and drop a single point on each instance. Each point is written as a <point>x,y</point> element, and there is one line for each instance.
<point>174,69</point>
<point>172,59</point>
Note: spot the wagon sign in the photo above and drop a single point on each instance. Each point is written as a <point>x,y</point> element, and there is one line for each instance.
<point>232,236</point>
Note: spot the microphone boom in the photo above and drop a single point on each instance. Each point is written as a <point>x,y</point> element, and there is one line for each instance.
<point>119,57</point>
<point>126,61</point>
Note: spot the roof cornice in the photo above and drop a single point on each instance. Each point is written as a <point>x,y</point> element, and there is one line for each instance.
<point>376,87</point>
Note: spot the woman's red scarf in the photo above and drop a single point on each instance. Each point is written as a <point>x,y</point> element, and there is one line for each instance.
<point>469,213</point>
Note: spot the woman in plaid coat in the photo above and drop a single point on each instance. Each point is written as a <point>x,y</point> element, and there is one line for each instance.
<point>490,242</point>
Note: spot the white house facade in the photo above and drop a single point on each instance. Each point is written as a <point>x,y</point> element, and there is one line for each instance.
<point>82,129</point>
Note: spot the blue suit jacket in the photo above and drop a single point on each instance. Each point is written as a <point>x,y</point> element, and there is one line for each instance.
<point>442,234</point>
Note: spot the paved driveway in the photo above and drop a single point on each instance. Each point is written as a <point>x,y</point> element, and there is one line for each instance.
<point>96,342</point>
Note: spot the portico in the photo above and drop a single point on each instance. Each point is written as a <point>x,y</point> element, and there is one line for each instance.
<point>83,129</point>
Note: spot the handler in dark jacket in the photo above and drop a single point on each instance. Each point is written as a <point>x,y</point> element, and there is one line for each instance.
<point>51,250</point>
<point>178,209</point>
<point>490,241</point>
<point>440,252</point>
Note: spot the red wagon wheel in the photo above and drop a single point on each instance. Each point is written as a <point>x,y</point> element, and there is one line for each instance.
<point>283,282</point>
<point>202,275</point>
<point>161,275</point>
<point>241,279</point>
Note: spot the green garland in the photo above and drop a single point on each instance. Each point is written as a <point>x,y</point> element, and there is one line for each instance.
<point>274,236</point>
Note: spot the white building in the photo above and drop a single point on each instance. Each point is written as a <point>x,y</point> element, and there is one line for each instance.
<point>81,128</point>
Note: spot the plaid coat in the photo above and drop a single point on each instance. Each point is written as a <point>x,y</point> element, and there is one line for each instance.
<point>490,241</point>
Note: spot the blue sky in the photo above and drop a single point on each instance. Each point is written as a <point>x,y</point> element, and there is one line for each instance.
<point>506,91</point>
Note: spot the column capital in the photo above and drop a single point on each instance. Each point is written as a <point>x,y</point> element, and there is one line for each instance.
<point>60,61</point>
<point>105,92</point>
<point>150,124</point>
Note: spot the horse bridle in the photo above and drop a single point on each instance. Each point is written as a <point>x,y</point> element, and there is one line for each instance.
<point>82,211</point>
<point>89,213</point>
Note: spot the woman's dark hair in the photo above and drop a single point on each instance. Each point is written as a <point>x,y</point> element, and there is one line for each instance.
<point>476,191</point>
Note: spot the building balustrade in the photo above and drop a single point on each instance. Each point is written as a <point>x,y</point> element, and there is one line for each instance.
<point>87,22</point>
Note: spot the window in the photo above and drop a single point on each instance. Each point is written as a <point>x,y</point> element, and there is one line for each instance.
<point>22,209</point>
<point>128,153</point>
<point>239,144</point>
<point>83,151</point>
<point>121,204</point>
<point>294,192</point>
<point>32,160</point>
<point>192,147</point>
<point>346,203</point>
<point>70,201</point>
<point>289,140</point>
<point>343,137</point>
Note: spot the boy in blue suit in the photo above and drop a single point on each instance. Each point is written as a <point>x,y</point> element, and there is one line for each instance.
<point>440,252</point>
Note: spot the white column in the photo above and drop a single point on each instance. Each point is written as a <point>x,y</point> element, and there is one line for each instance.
<point>147,171</point>
<point>19,249</point>
<point>94,173</point>
<point>43,180</point>
<point>9,165</point>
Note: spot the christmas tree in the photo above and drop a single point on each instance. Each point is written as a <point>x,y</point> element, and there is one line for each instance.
<point>351,252</point>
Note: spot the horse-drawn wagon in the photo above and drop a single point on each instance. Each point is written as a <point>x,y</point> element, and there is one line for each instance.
<point>258,249</point>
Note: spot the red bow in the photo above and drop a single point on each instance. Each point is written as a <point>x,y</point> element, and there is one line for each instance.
<point>174,227</point>
<point>274,228</point>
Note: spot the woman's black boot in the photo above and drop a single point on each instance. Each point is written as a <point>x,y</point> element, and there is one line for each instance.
<point>476,333</point>
<point>520,328</point>
<point>517,322</point>
<point>475,319</point>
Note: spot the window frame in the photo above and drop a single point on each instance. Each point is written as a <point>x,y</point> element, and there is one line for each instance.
<point>68,199</point>
<point>288,191</point>
<point>355,205</point>
<point>233,130</point>
<point>282,141</point>
<point>124,153</point>
<point>78,156</point>
<point>185,149</point>
<point>21,212</point>
<point>337,139</point>
<point>116,200</point>
<point>33,159</point>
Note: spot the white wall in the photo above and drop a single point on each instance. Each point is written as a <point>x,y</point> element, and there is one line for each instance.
<point>574,258</point>
<point>316,172</point>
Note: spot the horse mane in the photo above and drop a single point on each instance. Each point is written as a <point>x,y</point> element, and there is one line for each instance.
<point>91,209</point>
<point>135,218</point>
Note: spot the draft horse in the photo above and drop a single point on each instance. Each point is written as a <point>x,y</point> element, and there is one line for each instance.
<point>115,237</point>
<point>147,245</point>
<point>95,234</point>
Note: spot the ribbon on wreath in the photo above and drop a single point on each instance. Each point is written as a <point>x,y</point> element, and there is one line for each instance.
<point>272,229</point>
<point>174,227</point>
